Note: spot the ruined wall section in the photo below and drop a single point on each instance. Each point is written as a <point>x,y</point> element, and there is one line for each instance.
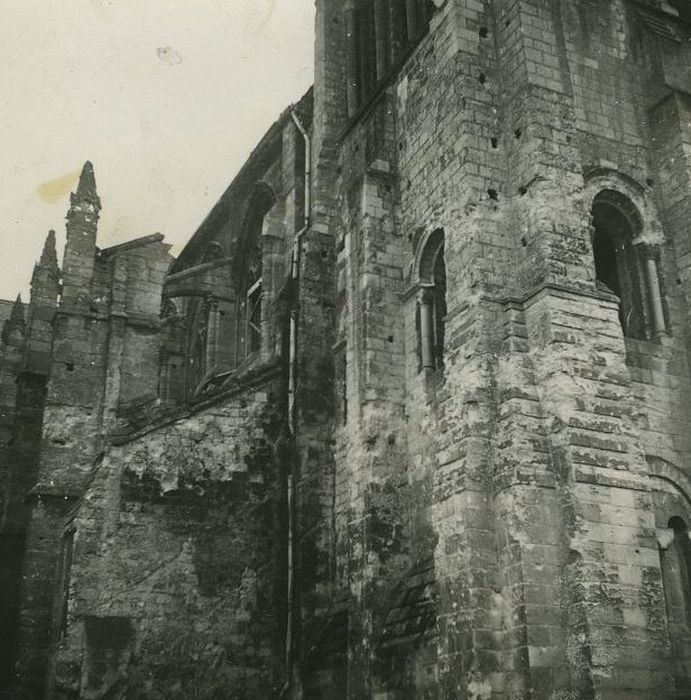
<point>178,564</point>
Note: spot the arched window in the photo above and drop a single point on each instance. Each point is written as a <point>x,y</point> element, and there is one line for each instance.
<point>253,302</point>
<point>249,270</point>
<point>625,269</point>
<point>198,326</point>
<point>431,308</point>
<point>675,564</point>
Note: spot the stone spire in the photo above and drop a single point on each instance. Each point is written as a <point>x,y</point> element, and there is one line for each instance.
<point>47,267</point>
<point>49,256</point>
<point>16,321</point>
<point>86,189</point>
<point>80,246</point>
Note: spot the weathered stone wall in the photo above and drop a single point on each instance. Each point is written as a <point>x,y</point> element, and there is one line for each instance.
<point>509,520</point>
<point>179,554</point>
<point>524,464</point>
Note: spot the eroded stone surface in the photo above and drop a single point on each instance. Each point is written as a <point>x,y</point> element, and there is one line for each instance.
<point>472,482</point>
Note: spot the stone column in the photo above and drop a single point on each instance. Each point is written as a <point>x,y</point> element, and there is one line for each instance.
<point>652,281</point>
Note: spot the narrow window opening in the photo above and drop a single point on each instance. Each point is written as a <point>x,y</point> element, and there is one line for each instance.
<point>343,386</point>
<point>431,308</point>
<point>439,309</point>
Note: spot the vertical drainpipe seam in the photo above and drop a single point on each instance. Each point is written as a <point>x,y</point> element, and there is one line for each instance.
<point>292,415</point>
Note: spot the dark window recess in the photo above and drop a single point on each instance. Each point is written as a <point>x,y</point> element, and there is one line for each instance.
<point>379,34</point>
<point>439,308</point>
<point>606,268</point>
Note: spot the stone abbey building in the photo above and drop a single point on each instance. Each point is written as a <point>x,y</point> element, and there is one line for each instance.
<point>410,415</point>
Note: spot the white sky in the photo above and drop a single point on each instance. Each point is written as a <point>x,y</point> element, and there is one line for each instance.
<point>166,130</point>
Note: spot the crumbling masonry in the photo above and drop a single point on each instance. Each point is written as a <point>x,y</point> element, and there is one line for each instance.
<point>410,415</point>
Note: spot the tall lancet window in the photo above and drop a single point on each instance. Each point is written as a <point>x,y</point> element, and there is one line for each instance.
<point>249,270</point>
<point>431,310</point>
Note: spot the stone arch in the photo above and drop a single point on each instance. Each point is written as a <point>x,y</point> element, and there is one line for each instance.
<point>667,476</point>
<point>630,197</point>
<point>431,310</point>
<point>428,252</point>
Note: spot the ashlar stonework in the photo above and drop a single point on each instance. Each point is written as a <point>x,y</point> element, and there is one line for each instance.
<point>410,415</point>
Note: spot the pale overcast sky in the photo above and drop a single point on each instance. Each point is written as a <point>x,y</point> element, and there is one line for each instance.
<point>166,97</point>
